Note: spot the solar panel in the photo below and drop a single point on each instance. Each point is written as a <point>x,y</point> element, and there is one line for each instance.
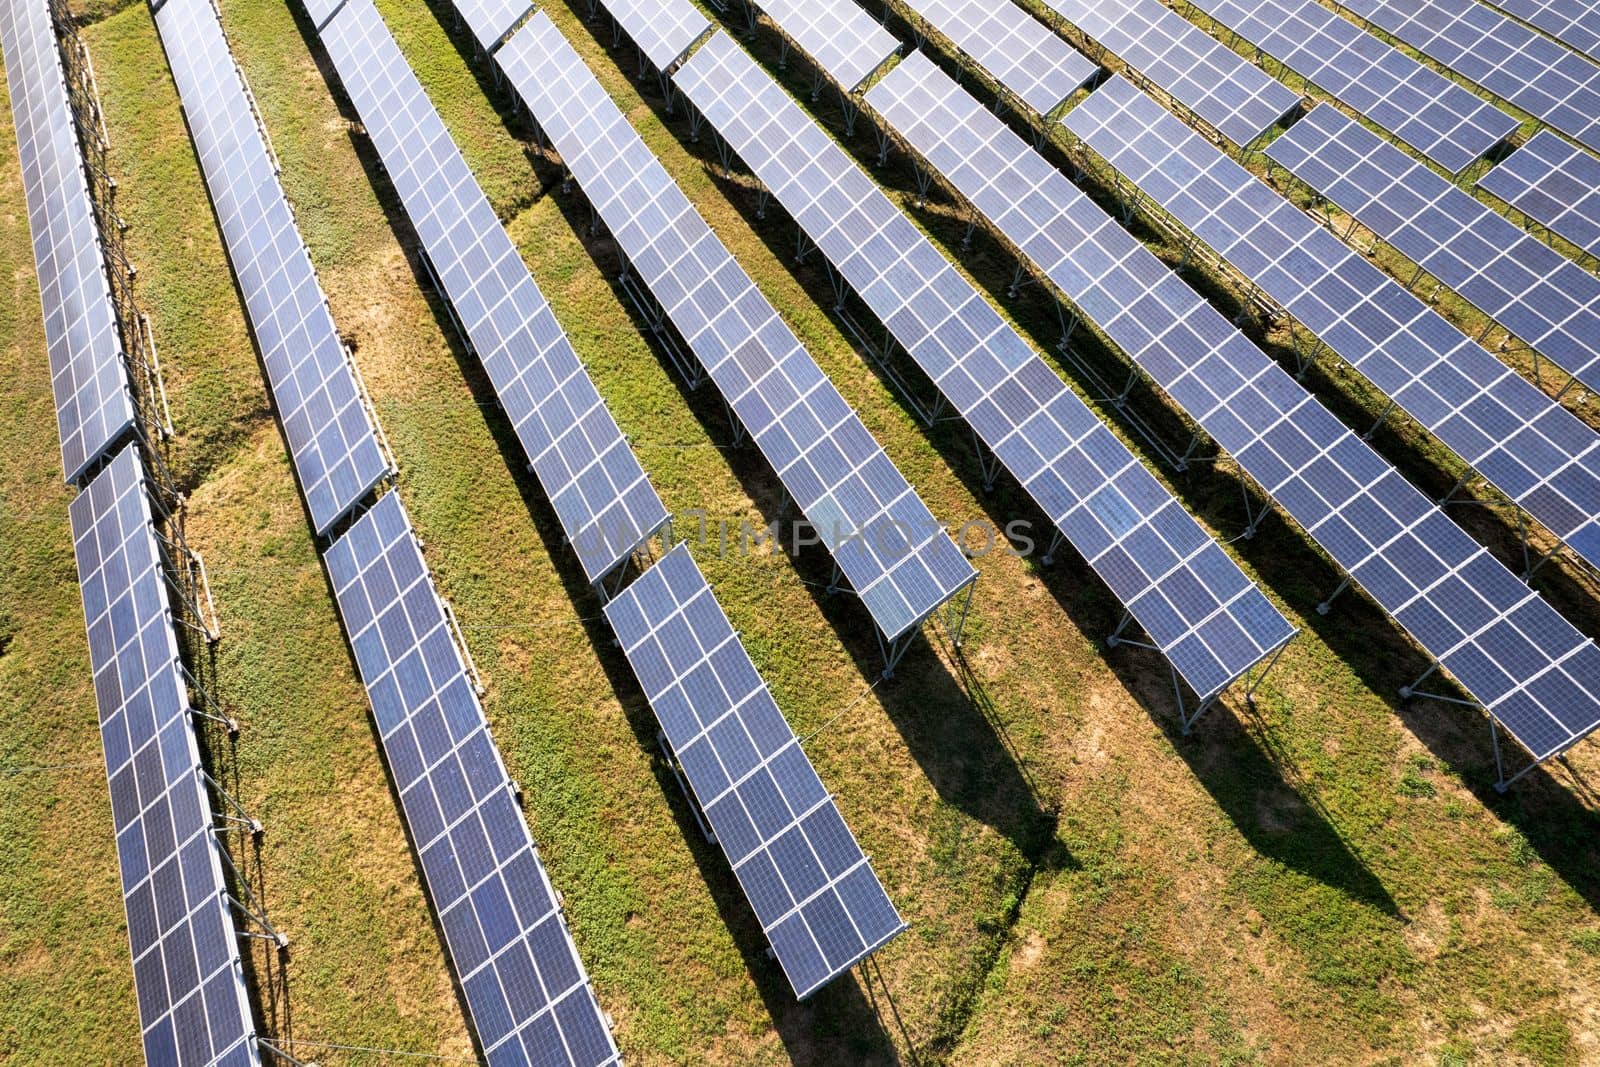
<point>882,536</point>
<point>1531,448</point>
<point>1552,84</point>
<point>187,972</point>
<point>820,905</point>
<point>331,437</point>
<point>606,505</point>
<point>1539,295</point>
<point>1574,22</point>
<point>1020,53</point>
<point>841,39</point>
<point>1554,184</point>
<point>1506,646</point>
<point>1192,600</point>
<point>527,995</point>
<point>1240,101</point>
<point>94,406</point>
<point>1426,110</point>
<point>490,20</point>
<point>662,29</point>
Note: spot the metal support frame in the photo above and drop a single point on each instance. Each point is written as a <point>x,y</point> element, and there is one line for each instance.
<point>683,784</point>
<point>955,611</point>
<point>644,302</point>
<point>1253,675</point>
<point>240,816</point>
<point>251,909</point>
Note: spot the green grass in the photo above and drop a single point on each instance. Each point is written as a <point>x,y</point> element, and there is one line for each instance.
<point>1323,878</point>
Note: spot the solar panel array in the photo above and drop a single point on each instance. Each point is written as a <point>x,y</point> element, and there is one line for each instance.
<point>187,972</point>
<point>882,536</point>
<point>527,995</point>
<point>1442,120</point>
<point>662,29</point>
<point>588,471</point>
<point>490,20</point>
<point>94,406</point>
<point>814,892</point>
<point>1555,184</point>
<point>1019,52</point>
<point>330,433</point>
<point>1573,22</point>
<point>1533,670</point>
<point>841,39</point>
<point>1239,100</point>
<point>1531,448</point>
<point>1526,68</point>
<point>1542,297</point>
<point>1193,601</point>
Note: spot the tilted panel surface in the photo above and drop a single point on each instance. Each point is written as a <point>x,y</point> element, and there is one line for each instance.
<point>527,995</point>
<point>841,38</point>
<point>1555,184</point>
<point>88,376</point>
<point>1018,51</point>
<point>1541,296</point>
<point>1573,22</point>
<point>490,19</point>
<point>882,536</point>
<point>331,438</point>
<point>1506,646</point>
<point>662,29</point>
<point>187,973</point>
<point>1196,604</point>
<point>1531,448</point>
<point>820,905</point>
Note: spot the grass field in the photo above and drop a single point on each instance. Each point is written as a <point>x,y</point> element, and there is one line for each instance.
<point>1327,877</point>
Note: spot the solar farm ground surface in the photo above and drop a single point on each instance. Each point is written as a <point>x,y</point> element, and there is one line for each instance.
<point>1327,877</point>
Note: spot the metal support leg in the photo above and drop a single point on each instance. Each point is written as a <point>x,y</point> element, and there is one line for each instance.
<point>1327,604</point>
<point>1049,556</point>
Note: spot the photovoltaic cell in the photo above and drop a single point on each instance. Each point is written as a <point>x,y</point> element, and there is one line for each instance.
<point>1018,51</point>
<point>841,39</point>
<point>489,20</point>
<point>1541,296</point>
<point>527,995</point>
<point>1191,598</point>
<point>1528,69</point>
<point>187,972</point>
<point>880,533</point>
<point>813,890</point>
<point>1573,22</point>
<point>94,406</point>
<point>1531,448</point>
<point>662,29</point>
<point>1554,184</point>
<point>584,464</point>
<point>330,433</point>
<point>1239,100</point>
<point>1426,110</point>
<point>1505,645</point>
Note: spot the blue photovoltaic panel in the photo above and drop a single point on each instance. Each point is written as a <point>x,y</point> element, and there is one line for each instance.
<point>1573,22</point>
<point>662,29</point>
<point>1506,646</point>
<point>490,20</point>
<point>882,536</point>
<point>841,39</point>
<point>319,10</point>
<point>1541,296</point>
<point>1426,110</point>
<point>1018,51</point>
<point>94,406</point>
<point>187,972</point>
<point>584,464</point>
<point>526,991</point>
<point>813,890</point>
<point>331,437</point>
<point>1531,448</point>
<point>1526,68</point>
<point>1554,184</point>
<point>1239,100</point>
<point>1195,603</point>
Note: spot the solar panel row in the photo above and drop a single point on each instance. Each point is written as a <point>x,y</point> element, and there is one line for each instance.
<point>1238,100</point>
<point>662,29</point>
<point>490,20</point>
<point>813,890</point>
<point>1531,448</point>
<point>332,440</point>
<point>187,973</point>
<point>841,39</point>
<point>1534,672</point>
<point>1545,299</point>
<point>1573,22</point>
<point>1196,605</point>
<point>1017,51</point>
<point>528,998</point>
<point>1528,69</point>
<point>1553,183</point>
<point>1426,110</point>
<point>588,471</point>
<point>880,533</point>
<point>88,375</point>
